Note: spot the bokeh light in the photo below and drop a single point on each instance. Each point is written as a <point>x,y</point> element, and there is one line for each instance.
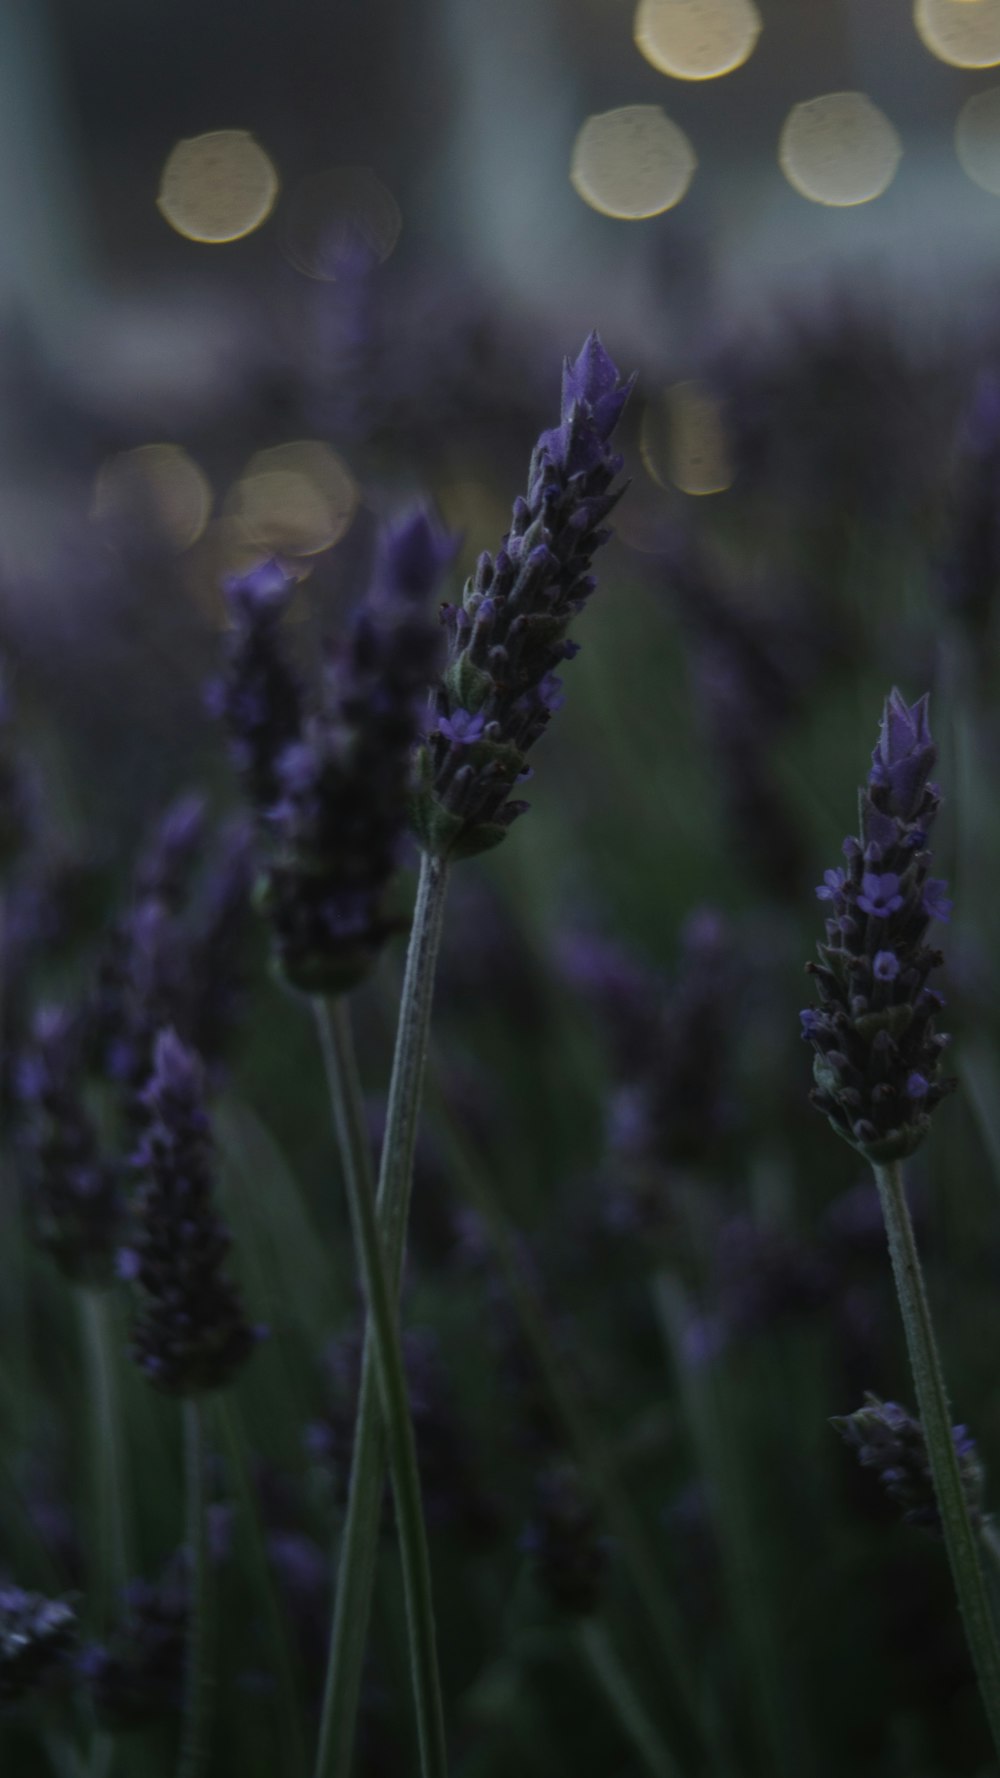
<point>839,149</point>
<point>217,187</point>
<point>157,484</point>
<point>965,33</point>
<point>977,139</point>
<point>697,39</point>
<point>683,442</point>
<point>328,212</point>
<point>295,499</point>
<point>632,163</point>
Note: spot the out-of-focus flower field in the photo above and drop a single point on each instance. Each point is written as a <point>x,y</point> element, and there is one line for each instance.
<point>279,336</point>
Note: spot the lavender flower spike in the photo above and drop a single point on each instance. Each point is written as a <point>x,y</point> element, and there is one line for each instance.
<point>259,698</point>
<point>877,1063</point>
<point>508,637</point>
<point>190,1333</point>
<point>891,1442</point>
<point>344,787</point>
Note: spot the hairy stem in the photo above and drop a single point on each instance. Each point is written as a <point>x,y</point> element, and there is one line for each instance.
<point>195,1721</point>
<point>359,1541</point>
<point>960,1536</point>
<point>334,1023</point>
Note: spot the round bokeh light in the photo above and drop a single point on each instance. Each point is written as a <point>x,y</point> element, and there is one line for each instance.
<point>632,163</point>
<point>696,39</point>
<point>217,187</point>
<point>839,150</point>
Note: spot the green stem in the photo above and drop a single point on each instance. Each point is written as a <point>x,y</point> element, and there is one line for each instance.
<point>960,1537</point>
<point>195,1721</point>
<point>586,1439</point>
<point>743,1555</point>
<point>334,1021</point>
<point>602,1657</point>
<point>235,1437</point>
<point>359,1542</point>
<point>109,1456</point>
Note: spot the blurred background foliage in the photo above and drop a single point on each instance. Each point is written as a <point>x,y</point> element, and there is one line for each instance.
<point>639,1264</point>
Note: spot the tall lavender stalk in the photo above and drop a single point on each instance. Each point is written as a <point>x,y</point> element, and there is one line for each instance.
<point>495,699</point>
<point>878,1076</point>
<point>333,803</point>
<point>190,1335</point>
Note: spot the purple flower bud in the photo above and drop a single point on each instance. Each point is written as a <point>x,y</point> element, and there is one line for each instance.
<point>904,754</point>
<point>462,727</point>
<point>880,894</point>
<point>885,966</point>
<point>936,904</point>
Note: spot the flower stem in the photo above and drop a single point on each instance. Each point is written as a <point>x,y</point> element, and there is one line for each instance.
<point>960,1537</point>
<point>359,1542</point>
<point>197,1675</point>
<point>109,1456</point>
<point>602,1658</point>
<point>334,1021</point>
<point>240,1476</point>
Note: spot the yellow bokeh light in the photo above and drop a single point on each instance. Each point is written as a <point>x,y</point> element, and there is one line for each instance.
<point>977,139</point>
<point>839,150</point>
<point>632,163</point>
<point>328,211</point>
<point>683,442</point>
<point>697,39</point>
<point>218,187</point>
<point>964,33</point>
<point>226,549</point>
<point>158,484</point>
<point>295,499</point>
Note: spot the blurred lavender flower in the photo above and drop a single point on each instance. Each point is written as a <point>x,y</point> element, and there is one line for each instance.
<point>36,1637</point>
<point>75,1195</point>
<point>508,637</point>
<point>671,1044</point>
<point>259,697</point>
<point>970,565</point>
<point>563,1541</point>
<point>877,1060</point>
<point>888,1440</point>
<point>174,956</point>
<point>343,787</point>
<point>190,1333</point>
<point>752,663</point>
<point>136,1678</point>
<point>15,803</point>
<point>762,1278</point>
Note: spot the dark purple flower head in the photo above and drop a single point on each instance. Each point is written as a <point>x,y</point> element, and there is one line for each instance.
<point>190,1332</point>
<point>873,1029</point>
<point>259,696</point>
<point>75,1194</point>
<point>904,755</point>
<point>888,1440</point>
<point>136,1678</point>
<point>36,1639</point>
<point>343,788</point>
<point>509,636</point>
